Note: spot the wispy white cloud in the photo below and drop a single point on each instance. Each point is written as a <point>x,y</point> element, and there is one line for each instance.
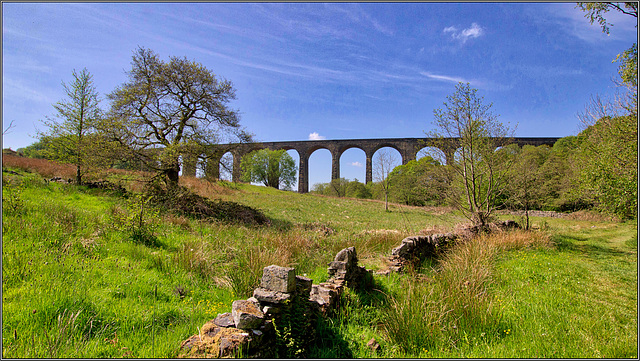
<point>453,79</point>
<point>463,35</point>
<point>357,164</point>
<point>316,136</point>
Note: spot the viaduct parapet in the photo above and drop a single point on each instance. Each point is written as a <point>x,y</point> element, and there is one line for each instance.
<point>407,147</point>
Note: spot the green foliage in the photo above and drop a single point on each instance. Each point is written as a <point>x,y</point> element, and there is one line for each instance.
<point>139,219</point>
<point>269,167</point>
<point>628,68</point>
<point>72,138</point>
<point>35,150</point>
<point>609,165</point>
<point>335,188</point>
<point>294,328</point>
<point>524,189</point>
<point>356,189</point>
<point>418,183</point>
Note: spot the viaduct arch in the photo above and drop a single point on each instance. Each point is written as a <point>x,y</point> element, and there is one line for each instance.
<point>407,147</point>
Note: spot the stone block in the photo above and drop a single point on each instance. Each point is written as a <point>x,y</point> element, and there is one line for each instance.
<point>402,250</point>
<point>266,295</point>
<point>347,255</point>
<point>246,314</point>
<point>303,285</point>
<point>276,278</point>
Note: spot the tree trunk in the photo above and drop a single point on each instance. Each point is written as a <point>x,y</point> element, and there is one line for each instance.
<point>172,176</point>
<point>78,175</point>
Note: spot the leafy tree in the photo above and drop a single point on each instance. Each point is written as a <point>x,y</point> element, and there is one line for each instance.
<point>269,167</point>
<point>418,183</point>
<point>355,189</point>
<point>608,151</point>
<point>71,137</point>
<point>523,191</point>
<point>169,110</point>
<point>383,164</point>
<point>338,187</point>
<point>35,150</point>
<point>609,165</point>
<point>478,172</point>
<point>560,176</point>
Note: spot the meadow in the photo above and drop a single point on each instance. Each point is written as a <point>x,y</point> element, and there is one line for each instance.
<point>88,273</point>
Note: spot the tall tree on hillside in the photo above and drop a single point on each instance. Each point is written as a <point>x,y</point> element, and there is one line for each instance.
<point>478,172</point>
<point>169,110</point>
<point>71,137</point>
<point>383,164</point>
<point>269,167</point>
<point>608,150</point>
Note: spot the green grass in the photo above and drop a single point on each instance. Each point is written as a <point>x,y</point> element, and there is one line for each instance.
<point>77,283</point>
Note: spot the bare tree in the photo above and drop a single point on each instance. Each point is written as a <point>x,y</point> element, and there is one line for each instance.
<point>383,164</point>
<point>8,128</point>
<point>478,172</point>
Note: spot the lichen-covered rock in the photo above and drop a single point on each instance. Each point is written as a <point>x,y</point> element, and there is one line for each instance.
<point>246,314</point>
<point>215,342</point>
<point>276,278</point>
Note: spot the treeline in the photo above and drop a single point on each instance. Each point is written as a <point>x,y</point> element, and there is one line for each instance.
<point>595,170</point>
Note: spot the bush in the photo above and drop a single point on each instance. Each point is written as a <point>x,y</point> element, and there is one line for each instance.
<point>182,201</point>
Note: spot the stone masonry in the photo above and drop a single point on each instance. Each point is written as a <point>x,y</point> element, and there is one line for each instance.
<point>248,329</point>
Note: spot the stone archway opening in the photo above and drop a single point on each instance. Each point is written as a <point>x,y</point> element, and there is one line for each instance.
<point>319,167</point>
<point>296,158</point>
<point>226,167</point>
<point>433,152</point>
<point>352,164</point>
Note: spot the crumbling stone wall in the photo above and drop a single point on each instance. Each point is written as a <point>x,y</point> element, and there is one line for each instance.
<point>415,249</point>
<point>248,330</point>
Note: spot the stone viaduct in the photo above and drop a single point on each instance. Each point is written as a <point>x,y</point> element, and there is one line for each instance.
<point>407,147</point>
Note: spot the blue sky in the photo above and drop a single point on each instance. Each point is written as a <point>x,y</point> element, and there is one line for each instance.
<point>325,70</point>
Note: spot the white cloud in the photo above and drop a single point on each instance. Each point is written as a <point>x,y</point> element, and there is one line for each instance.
<point>453,79</point>
<point>357,164</point>
<point>463,35</point>
<point>316,136</point>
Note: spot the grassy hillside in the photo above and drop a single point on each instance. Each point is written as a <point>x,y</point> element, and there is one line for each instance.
<point>82,277</point>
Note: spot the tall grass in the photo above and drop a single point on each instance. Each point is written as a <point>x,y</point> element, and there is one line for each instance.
<point>76,284</point>
<point>454,301</point>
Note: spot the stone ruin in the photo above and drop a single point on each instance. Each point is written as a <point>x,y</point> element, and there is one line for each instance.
<point>414,249</point>
<point>248,330</point>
